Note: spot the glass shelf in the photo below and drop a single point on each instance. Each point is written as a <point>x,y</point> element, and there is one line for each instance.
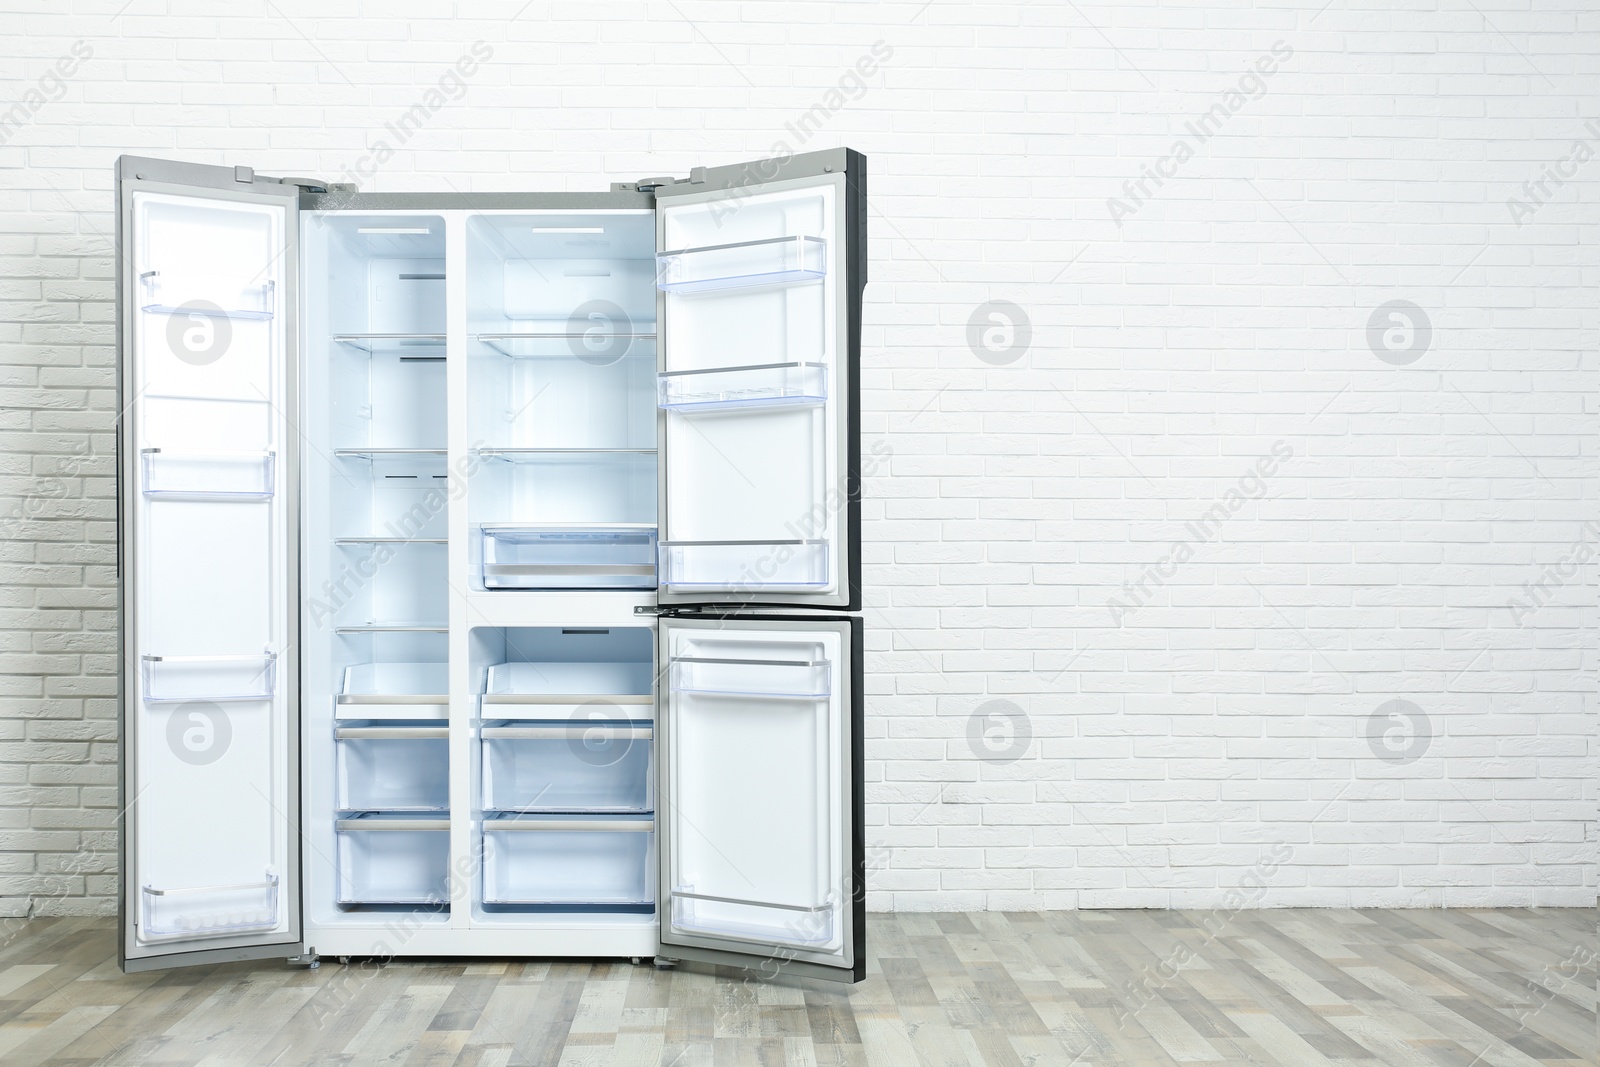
<point>214,474</point>
<point>209,911</point>
<point>402,343</point>
<point>380,453</point>
<point>562,345</point>
<point>525,454</point>
<point>769,678</point>
<point>742,265</point>
<point>559,556</point>
<point>582,766</point>
<point>216,678</point>
<point>746,566</point>
<point>394,691</point>
<point>391,541</point>
<point>761,385</point>
<point>567,860</point>
<point>393,859</point>
<point>178,296</point>
<point>392,628</point>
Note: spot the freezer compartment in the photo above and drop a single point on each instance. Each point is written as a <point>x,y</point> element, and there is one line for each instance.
<point>170,294</point>
<point>390,859</point>
<point>217,678</point>
<point>533,556</point>
<point>209,911</point>
<point>779,679</point>
<point>393,768</point>
<point>608,677</point>
<point>585,766</point>
<point>784,924</point>
<point>394,691</point>
<point>745,566</point>
<point>743,264</point>
<point>762,385</point>
<point>235,475</point>
<point>568,860</point>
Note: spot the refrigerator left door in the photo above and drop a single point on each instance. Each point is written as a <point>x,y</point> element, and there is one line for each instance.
<point>207,568</point>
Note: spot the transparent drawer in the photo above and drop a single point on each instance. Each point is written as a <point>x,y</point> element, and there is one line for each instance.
<point>577,766</point>
<point>773,261</point>
<point>784,924</point>
<point>744,566</point>
<point>209,911</point>
<point>763,385</point>
<point>394,691</point>
<point>170,678</point>
<point>170,294</point>
<point>775,678</point>
<point>393,860</point>
<point>393,768</point>
<point>615,691</point>
<point>523,556</point>
<point>566,859</point>
<point>236,475</point>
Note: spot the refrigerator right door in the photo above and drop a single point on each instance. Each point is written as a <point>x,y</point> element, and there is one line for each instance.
<point>760,272</point>
<point>759,807</point>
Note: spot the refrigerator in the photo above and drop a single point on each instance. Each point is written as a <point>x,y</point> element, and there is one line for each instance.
<point>489,568</point>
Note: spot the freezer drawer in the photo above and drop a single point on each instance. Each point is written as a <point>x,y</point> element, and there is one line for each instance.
<point>394,691</point>
<point>528,556</point>
<point>568,859</point>
<point>209,911</point>
<point>608,691</point>
<point>393,859</point>
<point>393,768</point>
<point>574,766</point>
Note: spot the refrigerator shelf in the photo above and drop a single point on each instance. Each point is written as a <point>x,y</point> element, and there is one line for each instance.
<point>742,265</point>
<point>393,859</point>
<point>568,860</point>
<point>168,679</point>
<point>403,343</point>
<point>788,924</point>
<point>393,628</point>
<point>209,911</point>
<point>519,454</point>
<point>382,453</point>
<point>564,345</point>
<point>556,556</point>
<point>744,565</point>
<point>392,768</point>
<point>217,474</point>
<point>177,296</point>
<point>771,679</point>
<point>759,385</point>
<point>581,766</point>
<point>391,540</point>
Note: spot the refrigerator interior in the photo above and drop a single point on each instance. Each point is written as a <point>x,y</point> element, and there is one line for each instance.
<point>561,400</point>
<point>564,771</point>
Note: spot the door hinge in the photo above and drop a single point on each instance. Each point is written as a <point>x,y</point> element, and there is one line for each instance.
<point>310,185</point>
<point>697,176</point>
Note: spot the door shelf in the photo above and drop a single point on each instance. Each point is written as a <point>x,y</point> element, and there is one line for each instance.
<point>786,924</point>
<point>208,475</point>
<point>772,679</point>
<point>394,691</point>
<point>582,766</point>
<point>745,264</point>
<point>393,859</point>
<point>744,566</point>
<point>168,679</point>
<point>567,860</point>
<point>559,556</point>
<point>760,385</point>
<point>403,343</point>
<point>209,911</point>
<point>177,296</point>
<point>393,768</point>
<point>560,345</point>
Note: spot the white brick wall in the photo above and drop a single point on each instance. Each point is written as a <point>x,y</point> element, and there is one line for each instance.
<point>1200,739</point>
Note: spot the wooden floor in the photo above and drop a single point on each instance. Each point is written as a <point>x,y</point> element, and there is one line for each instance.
<point>1437,988</point>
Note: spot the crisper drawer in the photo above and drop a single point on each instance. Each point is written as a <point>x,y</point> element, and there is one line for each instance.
<point>566,859</point>
<point>393,860</point>
<point>393,768</point>
<point>575,766</point>
<point>521,556</point>
<point>209,911</point>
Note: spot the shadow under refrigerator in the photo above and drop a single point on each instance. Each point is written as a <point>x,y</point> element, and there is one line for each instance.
<point>487,566</point>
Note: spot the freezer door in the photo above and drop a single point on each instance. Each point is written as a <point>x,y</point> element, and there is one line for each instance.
<point>206,310</point>
<point>760,272</point>
<point>759,796</point>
